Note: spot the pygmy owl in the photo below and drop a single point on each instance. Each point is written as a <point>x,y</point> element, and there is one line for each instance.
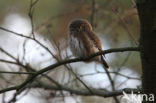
<point>84,42</point>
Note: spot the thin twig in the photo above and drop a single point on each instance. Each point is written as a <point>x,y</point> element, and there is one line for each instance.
<point>7,72</point>
<point>47,22</point>
<point>84,92</point>
<point>125,26</point>
<point>87,87</point>
<point>10,62</point>
<point>92,13</point>
<point>112,83</point>
<point>30,14</point>
<point>22,35</point>
<point>8,54</point>
<point>117,73</point>
<point>51,67</point>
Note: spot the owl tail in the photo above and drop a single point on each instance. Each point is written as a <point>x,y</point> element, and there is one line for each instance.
<point>104,62</point>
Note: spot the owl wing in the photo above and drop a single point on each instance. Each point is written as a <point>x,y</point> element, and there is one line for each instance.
<point>95,39</point>
<point>86,42</point>
<point>97,43</point>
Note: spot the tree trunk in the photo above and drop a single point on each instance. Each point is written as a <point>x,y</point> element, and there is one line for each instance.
<point>147,16</point>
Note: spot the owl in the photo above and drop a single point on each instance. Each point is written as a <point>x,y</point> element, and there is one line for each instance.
<point>83,41</point>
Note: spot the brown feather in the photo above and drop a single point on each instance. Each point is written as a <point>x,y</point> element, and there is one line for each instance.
<point>95,39</point>
<point>97,43</point>
<point>82,31</point>
<point>85,40</point>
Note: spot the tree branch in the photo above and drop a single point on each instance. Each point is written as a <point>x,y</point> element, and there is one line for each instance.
<point>85,92</point>
<point>59,63</point>
<point>11,72</point>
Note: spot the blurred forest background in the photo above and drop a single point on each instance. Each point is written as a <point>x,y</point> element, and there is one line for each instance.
<point>114,21</point>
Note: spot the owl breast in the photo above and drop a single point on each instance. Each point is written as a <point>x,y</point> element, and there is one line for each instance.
<point>77,47</point>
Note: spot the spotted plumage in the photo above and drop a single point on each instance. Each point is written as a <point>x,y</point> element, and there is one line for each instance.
<point>83,41</point>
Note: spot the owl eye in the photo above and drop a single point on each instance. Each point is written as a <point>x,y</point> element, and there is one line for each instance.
<point>80,27</point>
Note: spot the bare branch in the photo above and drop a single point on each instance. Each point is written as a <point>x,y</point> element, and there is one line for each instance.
<point>117,73</point>
<point>7,72</point>
<point>70,69</point>
<point>22,35</point>
<point>85,92</point>
<point>125,26</point>
<point>48,21</point>
<point>30,14</point>
<point>92,13</point>
<point>59,63</point>
<point>18,34</point>
<point>8,54</point>
<point>112,83</point>
<point>7,61</point>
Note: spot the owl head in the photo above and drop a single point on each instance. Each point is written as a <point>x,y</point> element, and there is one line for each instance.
<point>79,25</point>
